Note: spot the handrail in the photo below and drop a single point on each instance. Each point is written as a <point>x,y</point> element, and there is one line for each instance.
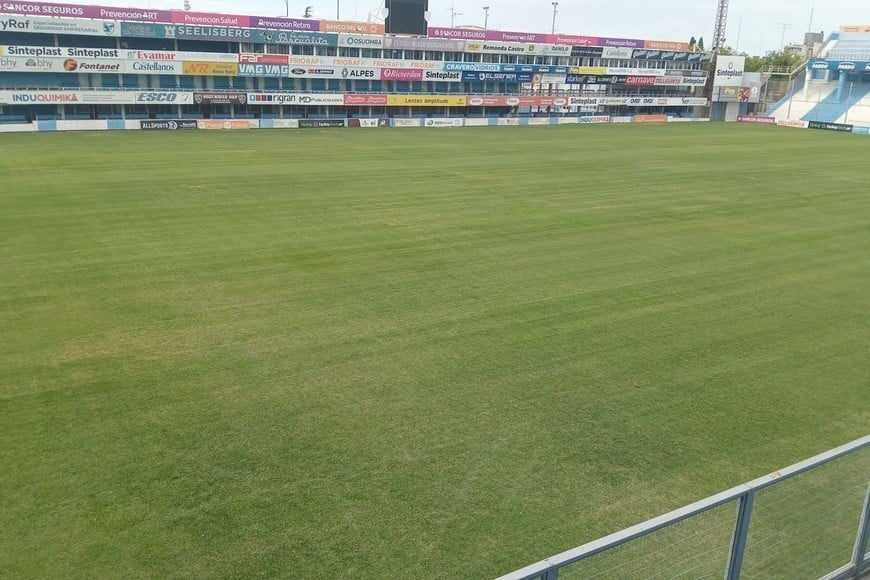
<point>554,563</point>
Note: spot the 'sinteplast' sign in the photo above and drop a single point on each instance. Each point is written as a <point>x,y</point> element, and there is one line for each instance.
<point>729,71</point>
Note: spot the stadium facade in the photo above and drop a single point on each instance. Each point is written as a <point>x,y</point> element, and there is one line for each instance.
<point>61,62</point>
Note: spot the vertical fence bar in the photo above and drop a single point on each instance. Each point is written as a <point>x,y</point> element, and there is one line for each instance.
<point>862,539</point>
<point>741,533</point>
<point>553,574</point>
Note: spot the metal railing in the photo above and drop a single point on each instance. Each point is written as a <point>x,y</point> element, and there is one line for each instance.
<point>744,496</point>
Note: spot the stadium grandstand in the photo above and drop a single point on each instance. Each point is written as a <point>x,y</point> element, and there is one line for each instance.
<point>81,63</point>
<point>835,87</point>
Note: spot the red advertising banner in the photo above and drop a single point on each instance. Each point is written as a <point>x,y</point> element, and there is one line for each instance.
<point>365,100</point>
<point>248,58</point>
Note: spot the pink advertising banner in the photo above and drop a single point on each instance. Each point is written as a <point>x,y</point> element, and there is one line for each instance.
<point>496,35</point>
<point>76,11</point>
<point>573,40</point>
<point>145,15</point>
<point>209,19</point>
<point>401,74</point>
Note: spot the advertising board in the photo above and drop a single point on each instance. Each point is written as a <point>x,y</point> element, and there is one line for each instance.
<point>168,125</point>
<point>220,98</point>
<point>729,71</point>
<point>321,123</point>
<point>74,26</point>
<point>756,119</point>
<point>223,125</point>
<point>202,68</point>
<point>303,99</point>
<point>842,128</point>
<point>426,101</point>
<point>163,98</point>
<point>365,100</point>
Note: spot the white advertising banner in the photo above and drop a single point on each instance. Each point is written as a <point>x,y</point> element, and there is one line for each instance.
<point>638,101</point>
<point>164,55</point>
<point>729,71</point>
<point>153,67</point>
<point>361,41</point>
<point>163,98</point>
<point>59,52</point>
<point>493,47</point>
<point>645,72</point>
<point>441,76</point>
<point>617,52</point>
<point>324,72</point>
<point>308,100</point>
<point>67,97</point>
<point>70,65</point>
<point>75,26</point>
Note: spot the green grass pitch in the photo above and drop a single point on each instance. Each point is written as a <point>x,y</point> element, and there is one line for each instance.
<point>412,353</point>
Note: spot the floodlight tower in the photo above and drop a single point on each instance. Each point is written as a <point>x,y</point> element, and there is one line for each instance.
<point>721,25</point>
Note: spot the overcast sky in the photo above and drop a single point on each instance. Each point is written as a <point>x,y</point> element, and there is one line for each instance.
<point>759,22</point>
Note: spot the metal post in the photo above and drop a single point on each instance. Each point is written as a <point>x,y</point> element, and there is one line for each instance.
<point>555,11</point>
<point>485,17</point>
<point>338,9</point>
<point>863,538</point>
<point>790,98</point>
<point>849,102</point>
<point>738,539</point>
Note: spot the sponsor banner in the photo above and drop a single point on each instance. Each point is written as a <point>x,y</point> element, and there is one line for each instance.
<point>518,101</point>
<point>495,35</point>
<point>163,55</point>
<point>861,130</point>
<point>443,123</point>
<point>666,45</point>
<point>285,24</point>
<point>351,27</point>
<point>227,124</point>
<point>635,81</point>
<point>307,100</point>
<point>284,123</point>
<point>334,73</point>
<point>503,48</point>
<point>650,118</point>
<point>209,19</point>
<point>163,98</point>
<point>321,123</point>
<point>681,81</point>
<point>621,42</point>
<point>264,70</point>
<point>549,79</point>
<point>426,101</point>
<point>617,52</point>
<point>41,25</point>
<point>75,11</point>
<point>796,124</point>
<point>365,100</point>
<point>57,52</point>
<point>296,38</point>
<point>70,65</point>
<point>756,119</point>
<point>204,32</point>
<point>211,69</point>
<point>575,41</point>
<point>587,51</point>
<point>442,76</point>
<point>644,72</point>
<point>486,77</point>
<point>729,71</point>
<point>595,80</point>
<point>855,29</point>
<point>588,70</point>
<point>492,67</point>
<point>152,67</point>
<point>220,98</point>
<point>595,119</point>
<point>750,93</point>
<point>406,122</point>
<point>248,58</point>
<point>401,74</point>
<point>411,43</point>
<point>638,101</point>
<point>66,97</point>
<point>169,125</point>
<point>830,126</point>
<point>360,41</point>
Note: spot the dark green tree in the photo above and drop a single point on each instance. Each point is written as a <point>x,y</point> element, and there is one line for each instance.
<point>701,45</point>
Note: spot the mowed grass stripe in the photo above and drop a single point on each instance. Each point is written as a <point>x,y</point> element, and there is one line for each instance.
<point>415,353</point>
